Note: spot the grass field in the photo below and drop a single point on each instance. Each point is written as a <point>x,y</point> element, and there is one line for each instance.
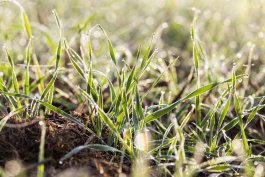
<point>131,88</point>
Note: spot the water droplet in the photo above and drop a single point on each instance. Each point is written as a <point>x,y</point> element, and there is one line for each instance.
<point>41,123</point>
<point>245,75</point>
<point>154,37</point>
<point>239,55</point>
<point>249,44</point>
<point>193,8</point>
<point>164,25</point>
<point>60,162</point>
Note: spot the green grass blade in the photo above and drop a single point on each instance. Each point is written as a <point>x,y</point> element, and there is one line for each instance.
<point>195,58</point>
<point>146,55</point>
<point>230,124</point>
<point>26,23</point>
<point>198,110</point>
<point>96,147</point>
<point>107,120</point>
<point>130,80</point>
<point>186,119</point>
<point>240,118</point>
<point>56,18</point>
<point>49,86</point>
<point>5,119</point>
<point>38,74</point>
<point>10,60</point>
<point>201,90</point>
<point>224,113</point>
<point>50,98</point>
<point>14,77</point>
<point>139,109</point>
<point>26,76</point>
<point>111,51</point>
<point>169,108</point>
<point>58,54</point>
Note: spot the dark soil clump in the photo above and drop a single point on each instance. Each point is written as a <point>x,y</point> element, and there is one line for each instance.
<point>20,140</point>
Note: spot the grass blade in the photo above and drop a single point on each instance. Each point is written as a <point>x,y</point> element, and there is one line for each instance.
<point>26,23</point>
<point>240,118</point>
<point>112,54</point>
<point>42,146</point>
<point>96,147</point>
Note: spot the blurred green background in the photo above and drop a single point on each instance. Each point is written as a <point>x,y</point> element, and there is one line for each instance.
<point>227,30</point>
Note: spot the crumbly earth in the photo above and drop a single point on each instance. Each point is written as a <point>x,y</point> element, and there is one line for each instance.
<point>20,140</point>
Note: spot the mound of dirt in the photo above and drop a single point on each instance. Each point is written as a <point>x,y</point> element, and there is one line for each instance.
<point>19,140</point>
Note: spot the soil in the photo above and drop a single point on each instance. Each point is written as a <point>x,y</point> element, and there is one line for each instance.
<point>20,139</point>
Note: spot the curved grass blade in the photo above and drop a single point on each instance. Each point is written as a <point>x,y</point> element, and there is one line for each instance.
<point>230,124</point>
<point>169,108</point>
<point>12,113</point>
<point>56,18</point>
<point>51,107</point>
<point>73,59</point>
<point>96,147</point>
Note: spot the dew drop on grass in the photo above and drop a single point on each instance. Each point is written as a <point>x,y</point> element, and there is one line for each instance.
<point>239,55</point>
<point>246,76</point>
<point>164,25</point>
<point>41,123</point>
<point>154,38</point>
